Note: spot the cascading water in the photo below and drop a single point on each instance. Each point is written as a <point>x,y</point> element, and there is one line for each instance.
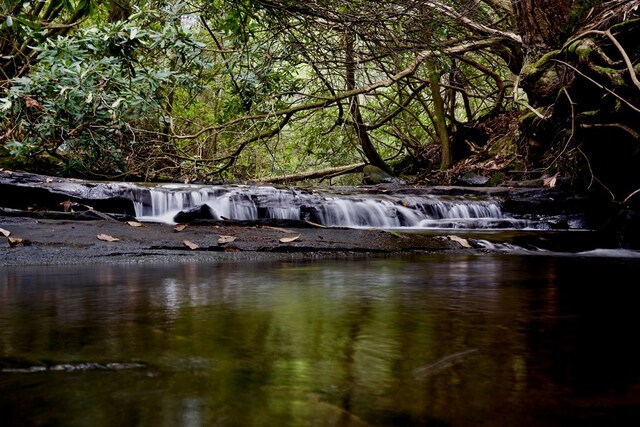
<point>162,204</point>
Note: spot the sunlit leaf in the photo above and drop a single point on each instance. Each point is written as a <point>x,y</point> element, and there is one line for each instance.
<point>5,233</point>
<point>117,102</point>
<point>226,239</point>
<point>107,238</point>
<point>135,224</point>
<point>463,242</point>
<point>15,241</point>
<point>190,244</point>
<point>289,239</point>
<point>550,182</point>
<point>180,227</point>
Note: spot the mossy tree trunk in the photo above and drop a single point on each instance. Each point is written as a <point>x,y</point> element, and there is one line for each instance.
<point>446,159</point>
<point>581,79</point>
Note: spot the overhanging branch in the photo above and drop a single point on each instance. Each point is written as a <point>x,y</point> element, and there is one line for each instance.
<point>421,57</point>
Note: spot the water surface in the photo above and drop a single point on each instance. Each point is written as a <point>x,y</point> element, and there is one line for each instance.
<point>455,340</point>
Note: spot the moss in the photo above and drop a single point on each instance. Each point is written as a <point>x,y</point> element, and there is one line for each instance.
<point>541,65</point>
<point>496,179</point>
<point>530,118</point>
<point>611,74</point>
<point>583,49</point>
<point>545,59</point>
<point>631,23</point>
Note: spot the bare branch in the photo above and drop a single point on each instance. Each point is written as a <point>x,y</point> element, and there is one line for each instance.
<point>323,173</point>
<point>408,71</point>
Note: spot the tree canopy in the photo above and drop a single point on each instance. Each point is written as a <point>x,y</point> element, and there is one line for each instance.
<point>280,90</point>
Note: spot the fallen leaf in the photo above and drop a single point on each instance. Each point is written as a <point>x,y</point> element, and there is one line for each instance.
<point>463,242</point>
<point>135,224</point>
<point>225,239</point>
<point>190,244</point>
<point>107,238</point>
<point>14,241</point>
<point>178,228</point>
<point>289,239</point>
<point>4,232</point>
<point>550,182</point>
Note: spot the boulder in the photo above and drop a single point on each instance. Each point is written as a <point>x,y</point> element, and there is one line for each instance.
<point>373,175</point>
<point>200,212</point>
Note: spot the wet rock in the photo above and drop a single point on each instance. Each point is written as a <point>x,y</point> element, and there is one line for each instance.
<point>373,175</point>
<point>472,180</point>
<point>202,212</point>
<point>32,192</point>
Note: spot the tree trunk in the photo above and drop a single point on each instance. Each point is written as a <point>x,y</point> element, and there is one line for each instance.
<point>541,22</point>
<point>369,150</point>
<point>585,93</point>
<point>446,159</point>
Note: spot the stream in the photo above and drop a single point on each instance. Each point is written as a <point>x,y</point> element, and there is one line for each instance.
<point>528,335</point>
<point>446,340</point>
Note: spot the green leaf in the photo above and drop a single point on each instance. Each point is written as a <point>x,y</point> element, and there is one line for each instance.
<point>117,102</point>
<point>5,104</point>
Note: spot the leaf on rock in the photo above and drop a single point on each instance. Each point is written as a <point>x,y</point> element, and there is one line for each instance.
<point>14,241</point>
<point>178,228</point>
<point>5,233</point>
<point>289,239</point>
<point>107,238</point>
<point>135,224</point>
<point>190,244</point>
<point>463,242</point>
<point>226,239</point>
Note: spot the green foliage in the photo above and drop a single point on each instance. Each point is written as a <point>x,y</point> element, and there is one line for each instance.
<point>202,89</point>
<point>82,101</point>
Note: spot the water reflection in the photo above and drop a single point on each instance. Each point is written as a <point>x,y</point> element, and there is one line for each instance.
<point>451,340</point>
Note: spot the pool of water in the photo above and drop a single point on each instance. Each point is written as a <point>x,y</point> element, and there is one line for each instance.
<point>454,340</point>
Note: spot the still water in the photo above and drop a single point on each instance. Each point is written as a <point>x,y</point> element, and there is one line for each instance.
<point>455,340</point>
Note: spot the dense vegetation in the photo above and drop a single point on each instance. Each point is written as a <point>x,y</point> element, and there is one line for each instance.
<point>285,90</point>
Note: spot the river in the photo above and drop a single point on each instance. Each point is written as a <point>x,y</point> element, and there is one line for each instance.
<point>441,340</point>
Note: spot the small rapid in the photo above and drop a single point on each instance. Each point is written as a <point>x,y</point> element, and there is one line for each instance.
<point>169,204</point>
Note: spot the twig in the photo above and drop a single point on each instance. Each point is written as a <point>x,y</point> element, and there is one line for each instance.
<point>624,202</point>
<point>633,107</point>
<point>573,124</point>
<point>625,128</point>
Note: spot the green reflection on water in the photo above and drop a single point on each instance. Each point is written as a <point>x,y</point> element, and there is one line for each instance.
<point>314,343</point>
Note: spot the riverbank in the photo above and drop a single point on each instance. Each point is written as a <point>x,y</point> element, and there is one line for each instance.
<point>37,240</point>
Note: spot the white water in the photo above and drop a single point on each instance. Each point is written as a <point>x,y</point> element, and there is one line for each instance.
<point>161,204</point>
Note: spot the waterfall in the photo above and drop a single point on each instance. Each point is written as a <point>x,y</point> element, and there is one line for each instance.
<point>163,203</point>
